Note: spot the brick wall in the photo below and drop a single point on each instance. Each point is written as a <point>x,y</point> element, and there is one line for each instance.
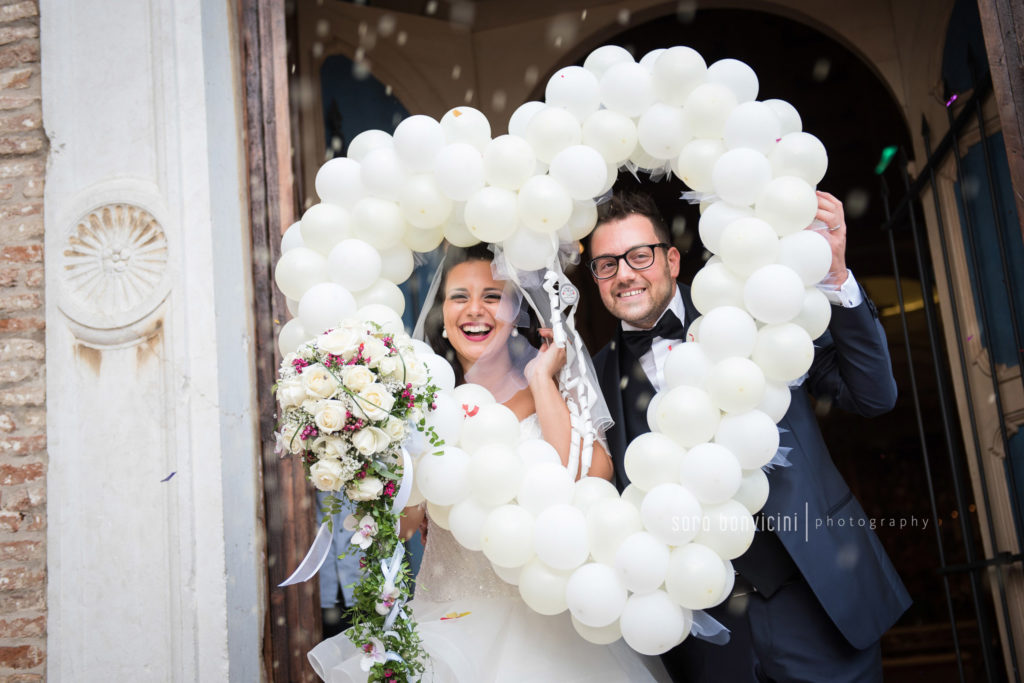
<point>23,457</point>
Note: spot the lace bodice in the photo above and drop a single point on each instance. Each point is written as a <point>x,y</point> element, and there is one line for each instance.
<point>449,571</point>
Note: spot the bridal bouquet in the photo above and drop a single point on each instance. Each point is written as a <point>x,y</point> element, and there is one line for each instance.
<point>348,399</point>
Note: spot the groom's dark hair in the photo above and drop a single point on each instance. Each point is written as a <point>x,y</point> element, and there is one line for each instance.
<point>627,203</point>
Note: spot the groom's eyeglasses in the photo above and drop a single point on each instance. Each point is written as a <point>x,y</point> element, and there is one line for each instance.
<point>639,258</point>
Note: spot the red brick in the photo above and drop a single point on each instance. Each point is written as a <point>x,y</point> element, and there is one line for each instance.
<point>21,551</point>
<point>23,678</point>
<point>18,349</point>
<point>24,253</point>
<point>7,423</point>
<point>19,10</point>
<point>10,102</point>
<point>6,190</point>
<point>20,229</point>
<point>34,521</point>
<point>21,473</point>
<point>16,55</point>
<point>25,301</point>
<point>22,445</point>
<point>20,123</point>
<point>23,627</point>
<point>9,276</point>
<point>11,34</point>
<point>33,277</point>
<point>11,168</point>
<point>24,395</point>
<point>10,521</point>
<point>19,578</point>
<point>20,145</point>
<point>21,324</point>
<point>32,421</point>
<point>16,78</point>
<point>15,371</point>
<point>23,601</point>
<point>21,657</point>
<point>33,188</point>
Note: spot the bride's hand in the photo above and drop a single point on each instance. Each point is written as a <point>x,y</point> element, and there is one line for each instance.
<point>549,360</point>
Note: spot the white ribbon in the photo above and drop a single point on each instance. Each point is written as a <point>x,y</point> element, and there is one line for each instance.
<point>706,627</point>
<point>405,488</point>
<point>314,559</point>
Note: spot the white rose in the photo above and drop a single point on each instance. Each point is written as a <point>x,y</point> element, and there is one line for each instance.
<point>415,415</point>
<point>319,382</point>
<point>370,440</point>
<point>288,439</point>
<point>390,366</point>
<point>291,393</point>
<point>326,475</point>
<point>375,401</point>
<point>329,447</point>
<point>374,350</point>
<point>357,377</point>
<point>395,429</point>
<point>341,341</point>
<point>330,416</point>
<point>415,372</point>
<point>367,488</point>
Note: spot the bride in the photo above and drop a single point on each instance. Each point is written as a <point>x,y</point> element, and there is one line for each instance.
<point>473,625</point>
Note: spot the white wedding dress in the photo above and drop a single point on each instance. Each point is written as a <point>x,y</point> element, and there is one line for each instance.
<point>476,629</point>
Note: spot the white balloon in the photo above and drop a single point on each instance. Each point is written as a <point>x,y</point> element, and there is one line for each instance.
<point>543,588</point>
<point>507,537</point>
<point>492,214</point>
<point>382,292</point>
<point>662,131</point>
<point>396,263</point>
<point>292,237</point>
<point>801,155</point>
<point>775,401</point>
<point>551,130</point>
<point>470,397</point>
<point>545,484</point>
<point>753,491</point>
<point>385,316</point>
<point>752,437</point>
<point>696,576</point>
<point>575,89</point>
<point>736,385</point>
<point>696,162</point>
<point>604,57</point>
<point>627,88</point>
<point>383,173</point>
<point>714,220</point>
<point>455,230</point>
<point>688,415</point>
<point>590,491</point>
<point>422,203</point>
<point>711,472</point>
<point>727,331</point>
<point>688,364</point>
<point>447,416</point>
<point>727,528</point>
<point>715,285</point>
<point>339,181</point>
<point>740,176</point>
<point>509,162</point>
<point>423,240</point>
<point>754,125</point>
<point>648,60</point>
<point>642,561</point>
<point>521,117</point>
<point>466,520</point>
<point>366,142</point>
<point>440,371</point>
<point>299,269</point>
<point>788,116</point>
<point>815,314</point>
<point>459,171</point>
<point>652,459</point>
<point>495,472</point>
<point>612,134</point>
<point>438,514</point>
<point>808,253</point>
<point>378,221</point>
<point>533,451</point>
<point>291,336</point>
<point>672,513</point>
<point>581,221</point>
<point>736,76</point>
<point>325,225</point>
<point>748,244</point>
<point>581,170</point>
<point>293,307</point>
<point>610,523</point>
<point>677,71</point>
<point>510,575</point>
<point>354,264</point>
<point>544,204</point>
<point>418,139</point>
<point>605,635</point>
<point>560,537</point>
<point>706,109</point>
<point>466,124</point>
<point>652,413</point>
<point>444,479</point>
<point>595,595</point>
<point>491,423</point>
<point>788,203</point>
<point>652,623</point>
<point>773,294</point>
<point>324,305</point>
<point>784,352</point>
<point>633,495</point>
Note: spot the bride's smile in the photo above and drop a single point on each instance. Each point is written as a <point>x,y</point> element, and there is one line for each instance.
<point>471,311</point>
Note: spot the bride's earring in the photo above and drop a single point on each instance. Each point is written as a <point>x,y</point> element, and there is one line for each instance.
<point>444,333</point>
<point>515,332</point>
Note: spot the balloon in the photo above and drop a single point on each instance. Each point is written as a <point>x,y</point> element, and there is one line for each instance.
<point>509,575</point>
<point>551,130</point>
<point>687,415</point>
<point>353,264</point>
<point>773,294</point>
<point>633,495</point>
<point>753,125</point>
<point>575,89</point>
<point>604,57</point>
<point>469,397</point>
<point>509,162</point>
<point>292,237</point>
<point>466,124</point>
<point>385,316</point>
<point>815,314</point>
<point>662,131</point>
<point>324,225</point>
<point>291,336</point>
<point>801,155</point>
<point>444,479</point>
<point>753,491</point>
<point>447,416</point>
<point>422,203</point>
<point>459,171</point>
<point>580,170</point>
<point>507,536</point>
<point>789,118</point>
<point>608,525</point>
<point>627,88</point>
<point>383,292</point>
<point>706,109</point>
<point>688,364</point>
<point>455,230</point>
<point>324,305</point>
<point>466,520</point>
<point>740,176</point>
<point>590,491</point>
<point>784,352</point>
<point>560,537</point>
<point>396,263</point>
<point>727,528</point>
<point>652,459</point>
<point>366,142</point>
<point>299,269</point>
<point>612,134</point>
<point>642,561</point>
<point>648,60</point>
<point>677,71</point>
<point>533,451</point>
<point>440,371</point>
<point>775,401</point>
<point>383,173</point>
<point>581,221</point>
<point>711,473</point>
<point>652,623</point>
<point>545,484</point>
<point>752,437</point>
<point>696,162</point>
<point>544,204</point>
<point>693,331</point>
<point>788,204</point>
<point>808,253</point>
<point>339,181</point>
<point>492,214</point>
<point>491,423</point>
<point>495,472</point>
<point>543,588</point>
<point>438,514</point>
<point>293,307</point>
<point>418,139</point>
<point>726,331</point>
<point>714,220</point>
<point>736,385</point>
<point>378,221</point>
<point>522,116</point>
<point>423,239</point>
<point>747,244</point>
<point>672,513</point>
<point>736,76</point>
<point>696,576</point>
<point>605,635</point>
<point>595,595</point>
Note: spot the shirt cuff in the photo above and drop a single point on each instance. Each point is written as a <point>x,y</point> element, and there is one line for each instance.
<point>847,295</point>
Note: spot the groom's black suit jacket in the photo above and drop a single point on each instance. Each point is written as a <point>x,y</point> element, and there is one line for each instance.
<point>844,563</point>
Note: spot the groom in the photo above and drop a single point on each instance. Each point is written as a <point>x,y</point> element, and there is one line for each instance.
<point>813,597</point>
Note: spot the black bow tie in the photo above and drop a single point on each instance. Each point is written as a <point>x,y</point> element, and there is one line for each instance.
<point>668,327</point>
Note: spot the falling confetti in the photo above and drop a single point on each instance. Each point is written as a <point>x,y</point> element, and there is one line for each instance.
<point>821,69</point>
<point>951,100</point>
<point>168,477</point>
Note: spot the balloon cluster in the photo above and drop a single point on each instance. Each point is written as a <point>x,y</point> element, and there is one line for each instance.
<point>632,565</point>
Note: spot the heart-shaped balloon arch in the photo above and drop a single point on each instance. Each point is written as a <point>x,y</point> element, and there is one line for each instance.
<point>634,565</point>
